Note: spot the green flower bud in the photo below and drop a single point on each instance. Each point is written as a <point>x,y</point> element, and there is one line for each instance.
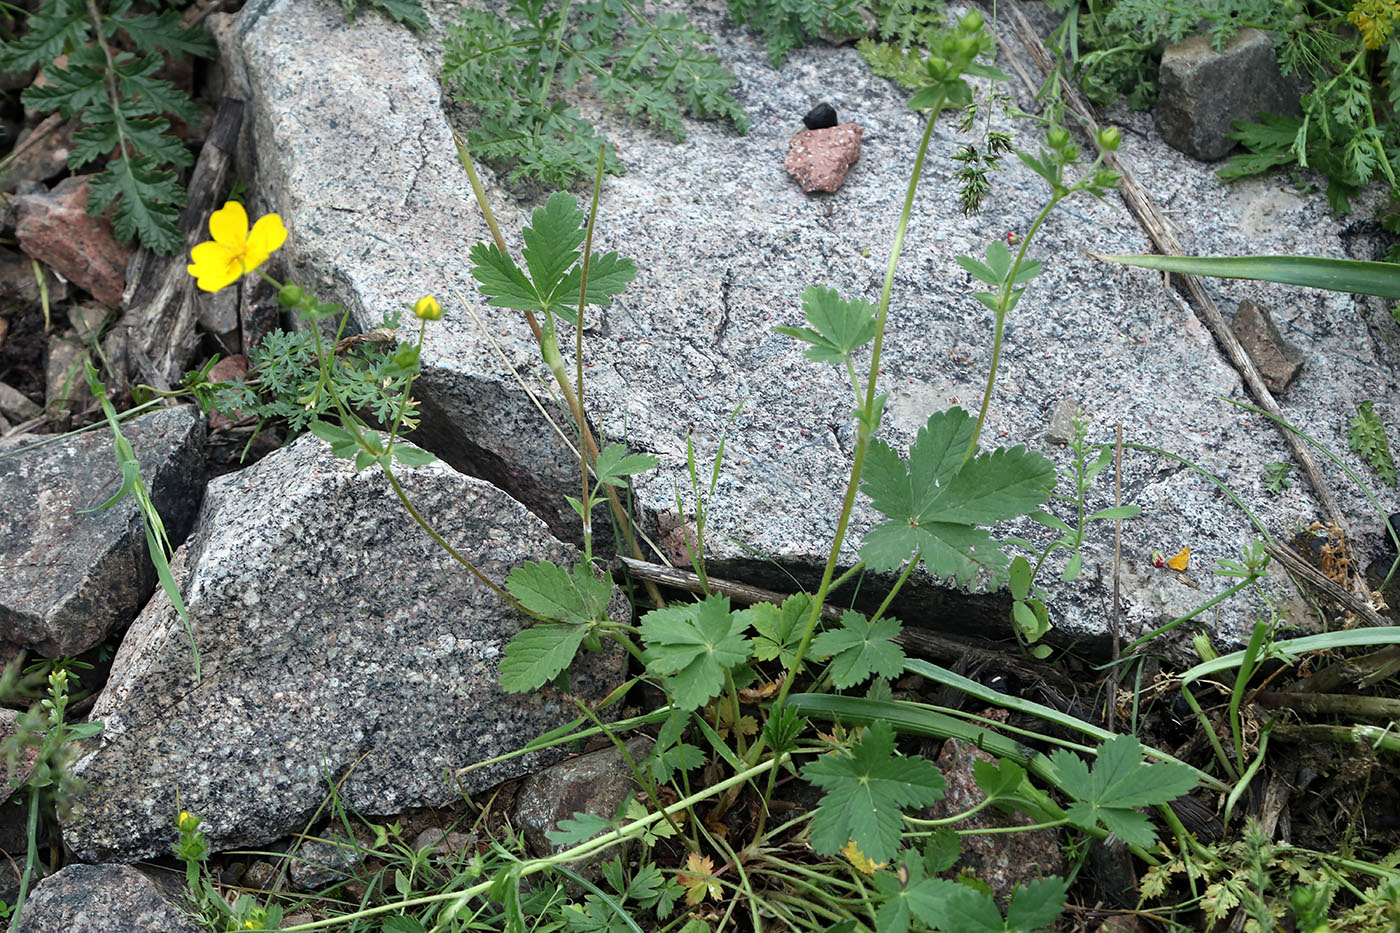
<point>971,21</point>
<point>967,47</point>
<point>290,296</point>
<point>1110,138</point>
<point>1058,137</point>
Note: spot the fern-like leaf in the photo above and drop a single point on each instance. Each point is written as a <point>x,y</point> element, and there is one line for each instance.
<point>149,205</point>
<point>656,71</point>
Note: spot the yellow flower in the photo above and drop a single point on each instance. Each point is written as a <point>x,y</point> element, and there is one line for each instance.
<point>234,251</point>
<point>427,308</point>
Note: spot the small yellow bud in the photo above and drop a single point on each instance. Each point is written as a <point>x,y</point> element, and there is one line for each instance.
<point>427,308</point>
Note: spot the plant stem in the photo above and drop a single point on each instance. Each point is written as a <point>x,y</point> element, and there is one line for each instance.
<point>1003,306</point>
<point>565,389</point>
<point>865,424</point>
<point>535,866</point>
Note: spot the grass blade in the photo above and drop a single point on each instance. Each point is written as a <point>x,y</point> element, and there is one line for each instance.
<point>1338,275</point>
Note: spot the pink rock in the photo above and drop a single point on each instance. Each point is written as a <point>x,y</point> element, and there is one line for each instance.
<point>55,229</point>
<point>819,159</point>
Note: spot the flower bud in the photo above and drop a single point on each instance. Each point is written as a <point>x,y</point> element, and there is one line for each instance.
<point>289,296</point>
<point>427,309</point>
<point>971,21</point>
<point>1058,137</point>
<point>1110,138</point>
<point>967,47</point>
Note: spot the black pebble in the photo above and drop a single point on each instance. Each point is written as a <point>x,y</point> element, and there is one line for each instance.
<point>820,117</point>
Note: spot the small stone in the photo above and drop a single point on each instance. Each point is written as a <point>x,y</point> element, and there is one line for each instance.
<point>1061,429</point>
<point>55,229</point>
<point>1277,360</point>
<point>820,117</point>
<point>45,159</point>
<point>322,862</point>
<point>1204,91</point>
<point>595,783</point>
<point>442,841</point>
<point>218,315</point>
<point>65,387</point>
<point>819,159</point>
<point>226,370</point>
<point>1003,860</point>
<point>15,405</point>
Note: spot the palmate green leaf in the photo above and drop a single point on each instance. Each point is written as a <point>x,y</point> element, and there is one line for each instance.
<point>958,908</point>
<point>1119,782</point>
<point>551,253</point>
<point>501,279</point>
<point>576,597</point>
<point>866,792</point>
<point>577,829</point>
<point>934,502</point>
<point>838,326</point>
<point>552,242</point>
<point>779,628</point>
<point>537,655</point>
<point>615,464</point>
<point>1037,905</point>
<point>858,649</point>
<point>149,205</point>
<point>690,647</point>
<point>609,274</point>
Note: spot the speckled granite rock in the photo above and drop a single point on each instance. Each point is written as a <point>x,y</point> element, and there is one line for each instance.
<point>67,579</point>
<point>1204,91</point>
<point>335,639</point>
<point>595,783</point>
<point>354,150</point>
<point>103,899</point>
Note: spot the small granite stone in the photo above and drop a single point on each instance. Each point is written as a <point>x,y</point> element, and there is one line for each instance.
<point>103,899</point>
<point>595,783</point>
<point>335,639</point>
<point>69,577</point>
<point>1002,860</point>
<point>1277,360</point>
<point>1204,91</point>
<point>1061,429</point>
<point>819,159</point>
<point>820,117</point>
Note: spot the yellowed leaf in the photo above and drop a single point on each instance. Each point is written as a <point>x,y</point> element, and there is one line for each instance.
<point>698,879</point>
<point>857,858</point>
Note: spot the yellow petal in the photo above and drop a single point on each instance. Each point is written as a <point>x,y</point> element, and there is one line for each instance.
<point>229,225</point>
<point>267,236</point>
<point>1180,560</point>
<point>214,266</point>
